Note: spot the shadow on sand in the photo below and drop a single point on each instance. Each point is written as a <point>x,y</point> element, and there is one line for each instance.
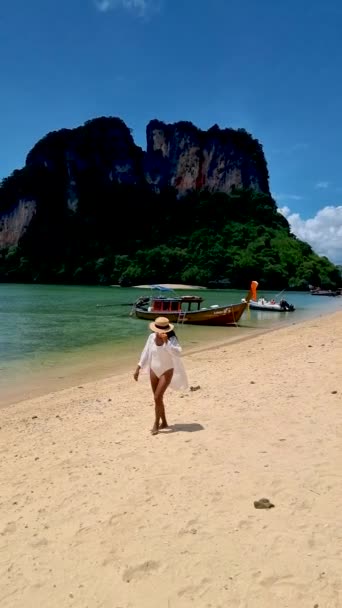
<point>183,428</point>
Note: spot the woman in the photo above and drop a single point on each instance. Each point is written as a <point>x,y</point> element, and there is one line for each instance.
<point>161,358</point>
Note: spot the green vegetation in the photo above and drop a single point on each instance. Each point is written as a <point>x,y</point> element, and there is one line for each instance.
<point>128,234</point>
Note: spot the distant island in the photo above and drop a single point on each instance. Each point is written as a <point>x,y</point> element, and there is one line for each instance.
<point>91,207</point>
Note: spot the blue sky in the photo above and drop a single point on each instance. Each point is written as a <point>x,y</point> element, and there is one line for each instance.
<point>272,67</point>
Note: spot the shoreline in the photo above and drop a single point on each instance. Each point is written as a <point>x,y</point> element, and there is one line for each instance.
<point>65,337</point>
<point>111,516</point>
<point>42,383</point>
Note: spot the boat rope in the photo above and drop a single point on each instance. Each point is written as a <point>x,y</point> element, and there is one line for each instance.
<point>132,313</point>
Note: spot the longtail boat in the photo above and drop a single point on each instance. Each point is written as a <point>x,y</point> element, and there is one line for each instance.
<point>187,309</point>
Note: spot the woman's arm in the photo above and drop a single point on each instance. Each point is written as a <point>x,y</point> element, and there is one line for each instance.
<point>143,358</point>
<point>145,353</point>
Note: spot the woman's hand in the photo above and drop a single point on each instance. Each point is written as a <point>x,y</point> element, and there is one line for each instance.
<point>161,339</point>
<point>136,374</point>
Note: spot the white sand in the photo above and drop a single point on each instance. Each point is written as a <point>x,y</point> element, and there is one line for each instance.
<point>96,513</point>
<point>170,286</point>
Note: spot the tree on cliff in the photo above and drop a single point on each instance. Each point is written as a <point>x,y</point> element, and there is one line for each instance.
<point>133,236</point>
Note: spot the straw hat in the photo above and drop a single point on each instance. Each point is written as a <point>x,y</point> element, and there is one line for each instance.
<point>161,325</point>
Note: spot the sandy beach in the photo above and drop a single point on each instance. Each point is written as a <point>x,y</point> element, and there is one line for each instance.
<point>97,513</point>
<point>178,286</point>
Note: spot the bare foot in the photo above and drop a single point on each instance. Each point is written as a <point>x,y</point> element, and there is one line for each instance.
<point>154,430</point>
<point>163,425</point>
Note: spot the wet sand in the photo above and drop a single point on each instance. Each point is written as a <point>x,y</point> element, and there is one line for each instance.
<point>95,512</point>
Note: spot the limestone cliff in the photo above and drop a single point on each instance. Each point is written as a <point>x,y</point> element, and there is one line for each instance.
<point>14,223</point>
<point>103,146</point>
<point>92,161</point>
<point>182,156</point>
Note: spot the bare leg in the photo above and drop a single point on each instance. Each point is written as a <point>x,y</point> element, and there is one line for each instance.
<point>163,424</point>
<point>163,383</point>
<point>154,385</point>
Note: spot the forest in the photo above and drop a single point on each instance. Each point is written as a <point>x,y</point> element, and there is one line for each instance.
<point>127,234</point>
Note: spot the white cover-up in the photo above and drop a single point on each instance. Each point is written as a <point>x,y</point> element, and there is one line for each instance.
<point>179,379</point>
<point>161,359</point>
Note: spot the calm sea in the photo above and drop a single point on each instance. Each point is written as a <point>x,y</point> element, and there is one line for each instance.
<point>56,336</point>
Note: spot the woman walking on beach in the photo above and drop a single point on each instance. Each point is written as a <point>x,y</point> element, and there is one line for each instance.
<point>161,358</point>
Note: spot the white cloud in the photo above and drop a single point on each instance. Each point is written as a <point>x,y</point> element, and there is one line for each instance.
<point>323,231</point>
<point>141,8</point>
<point>322,185</point>
<point>103,5</point>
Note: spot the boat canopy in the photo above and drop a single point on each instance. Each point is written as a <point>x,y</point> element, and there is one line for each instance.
<point>174,304</point>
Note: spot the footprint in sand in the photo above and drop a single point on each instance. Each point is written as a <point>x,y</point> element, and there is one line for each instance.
<point>10,528</point>
<point>270,581</point>
<point>109,560</point>
<point>244,524</point>
<point>139,572</point>
<point>115,518</point>
<point>41,542</point>
<point>192,591</point>
<point>190,527</point>
<point>283,586</point>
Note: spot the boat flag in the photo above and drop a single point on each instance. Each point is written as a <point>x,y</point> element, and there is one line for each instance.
<point>254,286</point>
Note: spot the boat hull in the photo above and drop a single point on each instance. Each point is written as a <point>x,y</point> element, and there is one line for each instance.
<point>268,307</point>
<point>220,316</point>
<point>331,294</point>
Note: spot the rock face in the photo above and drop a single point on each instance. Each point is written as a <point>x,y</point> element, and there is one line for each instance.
<point>14,223</point>
<point>102,153</point>
<point>186,158</point>
<point>104,145</point>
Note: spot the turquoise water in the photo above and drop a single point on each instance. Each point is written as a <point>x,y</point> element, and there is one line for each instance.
<point>56,335</point>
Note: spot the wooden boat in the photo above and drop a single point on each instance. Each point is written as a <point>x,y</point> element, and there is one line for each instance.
<point>180,310</point>
<point>272,305</point>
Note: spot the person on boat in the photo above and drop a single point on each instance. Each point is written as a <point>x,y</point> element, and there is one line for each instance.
<point>161,359</point>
